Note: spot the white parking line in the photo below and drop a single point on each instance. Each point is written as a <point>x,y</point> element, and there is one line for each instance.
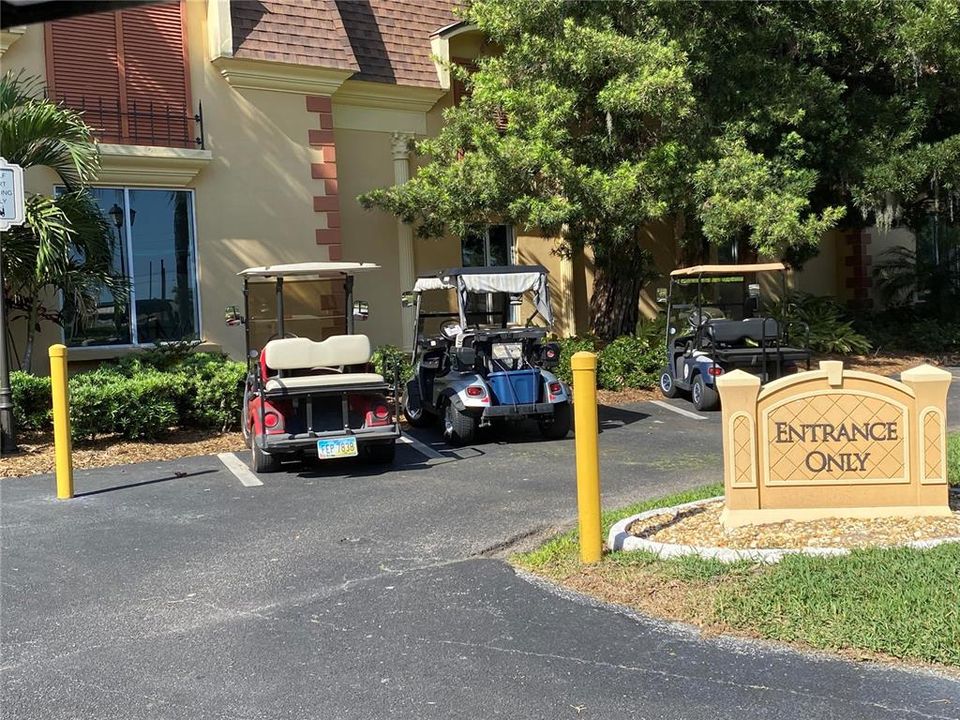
<point>678,411</point>
<point>424,450</point>
<point>237,467</point>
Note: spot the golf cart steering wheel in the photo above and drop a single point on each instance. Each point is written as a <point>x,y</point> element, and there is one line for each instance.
<point>277,336</point>
<point>698,317</point>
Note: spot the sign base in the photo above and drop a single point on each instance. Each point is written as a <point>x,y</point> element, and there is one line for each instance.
<point>731,519</point>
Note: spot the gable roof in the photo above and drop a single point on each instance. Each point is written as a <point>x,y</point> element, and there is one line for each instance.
<point>391,38</point>
<point>384,41</point>
<point>300,32</point>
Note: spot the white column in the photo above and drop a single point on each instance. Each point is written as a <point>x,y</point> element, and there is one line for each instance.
<point>405,258</point>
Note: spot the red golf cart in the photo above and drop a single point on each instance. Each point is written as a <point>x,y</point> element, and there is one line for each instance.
<point>310,389</point>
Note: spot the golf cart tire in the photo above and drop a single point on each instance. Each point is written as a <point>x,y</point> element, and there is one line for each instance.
<point>420,419</point>
<point>459,428</point>
<point>379,454</point>
<point>704,397</point>
<point>673,390</point>
<point>558,427</point>
<point>261,462</point>
<point>245,429</point>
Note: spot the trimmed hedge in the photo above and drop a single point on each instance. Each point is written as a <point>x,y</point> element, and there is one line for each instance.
<point>630,361</point>
<point>140,397</point>
<point>31,400</point>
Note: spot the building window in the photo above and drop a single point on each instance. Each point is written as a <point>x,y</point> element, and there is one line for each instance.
<point>155,248</point>
<point>491,247</point>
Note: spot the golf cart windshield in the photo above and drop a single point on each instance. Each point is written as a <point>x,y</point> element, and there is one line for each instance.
<point>716,292</point>
<point>512,280</point>
<point>310,300</point>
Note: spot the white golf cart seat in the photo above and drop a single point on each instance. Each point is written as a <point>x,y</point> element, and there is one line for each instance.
<point>330,355</point>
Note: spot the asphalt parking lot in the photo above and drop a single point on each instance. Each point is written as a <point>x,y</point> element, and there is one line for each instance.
<point>172,590</point>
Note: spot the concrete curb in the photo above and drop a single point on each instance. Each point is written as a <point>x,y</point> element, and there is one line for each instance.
<point>619,539</point>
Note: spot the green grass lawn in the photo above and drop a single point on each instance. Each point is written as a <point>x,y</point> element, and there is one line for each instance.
<point>897,602</point>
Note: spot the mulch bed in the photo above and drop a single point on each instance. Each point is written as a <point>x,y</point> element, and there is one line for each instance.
<point>36,454</point>
<point>701,526</point>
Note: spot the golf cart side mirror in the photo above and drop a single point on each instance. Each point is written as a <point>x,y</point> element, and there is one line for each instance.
<point>232,316</point>
<point>408,299</point>
<point>661,296</point>
<point>361,309</point>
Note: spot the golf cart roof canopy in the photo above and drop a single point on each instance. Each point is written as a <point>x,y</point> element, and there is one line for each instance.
<point>309,269</point>
<point>727,269</point>
<point>512,279</point>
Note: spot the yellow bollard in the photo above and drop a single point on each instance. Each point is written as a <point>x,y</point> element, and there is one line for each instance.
<point>584,366</point>
<point>61,421</point>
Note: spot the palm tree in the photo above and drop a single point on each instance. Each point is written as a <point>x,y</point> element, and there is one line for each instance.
<point>64,246</point>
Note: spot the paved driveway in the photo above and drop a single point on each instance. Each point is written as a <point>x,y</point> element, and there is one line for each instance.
<point>170,590</point>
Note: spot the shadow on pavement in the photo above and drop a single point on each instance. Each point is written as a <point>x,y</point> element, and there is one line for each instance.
<point>129,486</point>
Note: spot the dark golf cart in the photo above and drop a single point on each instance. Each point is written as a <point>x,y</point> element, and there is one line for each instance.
<point>310,389</point>
<point>472,368</point>
<point>715,324</point>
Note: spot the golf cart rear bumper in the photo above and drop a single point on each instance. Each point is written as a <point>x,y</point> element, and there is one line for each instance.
<point>308,441</point>
<point>518,411</point>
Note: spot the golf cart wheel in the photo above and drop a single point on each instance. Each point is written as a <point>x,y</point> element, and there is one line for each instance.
<point>261,462</point>
<point>417,418</point>
<point>379,454</point>
<point>245,428</point>
<point>557,427</point>
<point>459,428</point>
<point>668,388</point>
<point>704,397</point>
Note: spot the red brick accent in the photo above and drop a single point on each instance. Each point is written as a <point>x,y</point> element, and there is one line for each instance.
<point>319,104</point>
<point>326,203</point>
<point>329,153</point>
<point>326,121</point>
<point>323,171</point>
<point>336,252</point>
<point>333,220</point>
<point>328,237</point>
<point>321,137</point>
<point>330,187</point>
<point>858,279</point>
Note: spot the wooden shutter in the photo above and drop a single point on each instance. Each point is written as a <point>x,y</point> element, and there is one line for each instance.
<point>127,70</point>
<point>83,70</point>
<point>155,73</point>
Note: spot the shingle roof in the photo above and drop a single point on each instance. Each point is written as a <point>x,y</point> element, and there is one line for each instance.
<point>302,32</point>
<point>391,38</point>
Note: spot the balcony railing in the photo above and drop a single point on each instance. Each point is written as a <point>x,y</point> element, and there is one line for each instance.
<point>150,123</point>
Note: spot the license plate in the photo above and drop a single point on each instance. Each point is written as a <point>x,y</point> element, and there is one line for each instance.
<point>329,448</point>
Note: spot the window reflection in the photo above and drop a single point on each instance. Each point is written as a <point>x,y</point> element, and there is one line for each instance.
<point>158,259</point>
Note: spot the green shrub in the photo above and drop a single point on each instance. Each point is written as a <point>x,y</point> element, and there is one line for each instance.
<point>386,357</point>
<point>629,362</point>
<point>31,401</point>
<point>106,402</point>
<point>910,330</point>
<point>569,346</point>
<point>830,329</point>
<point>215,387</point>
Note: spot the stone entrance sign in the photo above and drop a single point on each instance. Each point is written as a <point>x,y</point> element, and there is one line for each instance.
<point>834,443</point>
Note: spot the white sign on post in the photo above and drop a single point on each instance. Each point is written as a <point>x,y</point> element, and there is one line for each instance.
<point>11,195</point>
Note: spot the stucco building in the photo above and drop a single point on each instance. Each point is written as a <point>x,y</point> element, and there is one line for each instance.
<point>241,133</point>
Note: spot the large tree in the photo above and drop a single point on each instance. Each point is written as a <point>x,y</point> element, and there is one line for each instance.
<point>757,123</point>
<point>63,253</point>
